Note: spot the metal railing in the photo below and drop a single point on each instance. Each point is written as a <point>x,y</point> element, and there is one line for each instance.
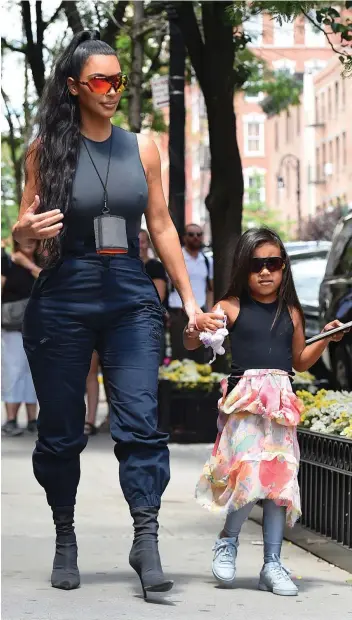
<point>325,478</point>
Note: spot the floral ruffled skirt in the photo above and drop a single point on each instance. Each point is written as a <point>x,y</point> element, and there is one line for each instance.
<point>256,453</point>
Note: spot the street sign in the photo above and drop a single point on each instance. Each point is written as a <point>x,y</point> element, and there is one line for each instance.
<point>160,91</point>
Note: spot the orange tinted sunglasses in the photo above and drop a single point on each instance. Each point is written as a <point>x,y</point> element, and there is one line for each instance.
<point>101,85</point>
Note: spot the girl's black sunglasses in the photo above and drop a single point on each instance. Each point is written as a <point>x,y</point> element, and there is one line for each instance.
<point>274,263</point>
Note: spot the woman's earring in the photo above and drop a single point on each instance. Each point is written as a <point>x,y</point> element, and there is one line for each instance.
<point>284,266</point>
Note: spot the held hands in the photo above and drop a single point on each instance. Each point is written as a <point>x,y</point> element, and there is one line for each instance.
<point>192,309</point>
<point>41,226</point>
<point>209,322</point>
<point>333,325</point>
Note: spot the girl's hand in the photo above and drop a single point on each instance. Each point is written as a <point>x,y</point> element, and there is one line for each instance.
<point>209,322</point>
<point>42,226</point>
<point>335,337</point>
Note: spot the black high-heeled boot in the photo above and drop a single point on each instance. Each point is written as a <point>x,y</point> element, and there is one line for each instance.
<point>144,555</point>
<point>65,573</point>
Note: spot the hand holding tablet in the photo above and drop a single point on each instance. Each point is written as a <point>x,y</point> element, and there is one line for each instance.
<point>327,333</point>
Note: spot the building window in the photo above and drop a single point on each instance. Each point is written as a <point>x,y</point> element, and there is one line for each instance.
<point>284,35</point>
<point>337,149</point>
<point>331,153</point>
<point>284,65</point>
<point>316,110</point>
<point>337,103</point>
<point>344,149</point>
<point>254,98</point>
<point>276,136</point>
<point>329,103</point>
<point>322,107</point>
<point>317,160</point>
<point>323,159</point>
<point>254,135</point>
<point>254,185</point>
<point>314,66</point>
<point>313,37</point>
<point>254,28</point>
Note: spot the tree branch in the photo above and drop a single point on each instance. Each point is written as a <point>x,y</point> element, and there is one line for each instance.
<point>73,17</point>
<point>115,23</point>
<point>192,37</point>
<point>155,60</point>
<point>54,16</point>
<point>326,34</point>
<point>13,48</point>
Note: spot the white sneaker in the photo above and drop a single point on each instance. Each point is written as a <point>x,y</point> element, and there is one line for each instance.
<point>224,561</point>
<point>274,577</point>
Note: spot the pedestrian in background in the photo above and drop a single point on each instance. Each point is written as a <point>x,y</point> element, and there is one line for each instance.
<point>155,270</point>
<point>18,274</point>
<point>200,271</point>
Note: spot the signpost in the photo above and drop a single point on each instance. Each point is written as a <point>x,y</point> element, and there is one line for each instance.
<point>160,91</point>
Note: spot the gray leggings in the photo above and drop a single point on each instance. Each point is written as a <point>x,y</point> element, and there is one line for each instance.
<point>274,518</point>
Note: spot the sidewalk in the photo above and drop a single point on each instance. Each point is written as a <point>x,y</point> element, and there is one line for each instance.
<point>110,589</point>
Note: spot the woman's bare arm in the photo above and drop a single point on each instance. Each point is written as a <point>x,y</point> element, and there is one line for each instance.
<point>29,225</point>
<point>161,227</point>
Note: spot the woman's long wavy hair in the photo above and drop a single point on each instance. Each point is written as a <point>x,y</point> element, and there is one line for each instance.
<point>246,245</point>
<point>58,138</point>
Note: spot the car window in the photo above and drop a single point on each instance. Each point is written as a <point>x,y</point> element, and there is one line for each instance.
<point>307,276</point>
<point>344,266</point>
<point>342,236</point>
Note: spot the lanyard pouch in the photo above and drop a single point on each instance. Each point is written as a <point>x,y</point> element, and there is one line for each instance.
<point>110,234</point>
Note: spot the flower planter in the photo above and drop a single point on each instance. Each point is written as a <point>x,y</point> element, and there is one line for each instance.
<point>189,415</point>
<point>325,478</point>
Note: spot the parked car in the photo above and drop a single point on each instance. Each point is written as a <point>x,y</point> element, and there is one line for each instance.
<point>299,246</point>
<point>335,297</point>
<point>308,274</point>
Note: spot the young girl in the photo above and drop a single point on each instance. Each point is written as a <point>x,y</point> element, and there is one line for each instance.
<point>256,454</point>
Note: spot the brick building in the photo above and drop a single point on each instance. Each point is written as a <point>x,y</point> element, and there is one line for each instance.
<point>295,47</point>
<point>315,137</point>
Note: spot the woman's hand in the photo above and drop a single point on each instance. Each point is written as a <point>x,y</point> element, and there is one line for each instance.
<point>335,337</point>
<point>192,310</point>
<point>209,322</point>
<point>41,226</point>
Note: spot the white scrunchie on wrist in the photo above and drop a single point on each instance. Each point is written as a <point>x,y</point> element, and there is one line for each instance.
<point>215,339</point>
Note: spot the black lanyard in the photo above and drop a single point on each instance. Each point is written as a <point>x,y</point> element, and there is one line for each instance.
<point>104,185</point>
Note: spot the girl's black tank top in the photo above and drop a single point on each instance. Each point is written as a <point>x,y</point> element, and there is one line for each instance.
<point>256,342</point>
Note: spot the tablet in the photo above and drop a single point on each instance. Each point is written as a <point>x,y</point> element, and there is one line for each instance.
<point>336,330</point>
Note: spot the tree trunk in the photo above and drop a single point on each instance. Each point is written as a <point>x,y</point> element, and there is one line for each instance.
<point>34,50</point>
<point>177,179</point>
<point>212,57</point>
<point>73,17</point>
<point>135,99</point>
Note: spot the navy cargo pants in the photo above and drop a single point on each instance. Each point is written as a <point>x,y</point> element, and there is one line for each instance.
<point>107,303</point>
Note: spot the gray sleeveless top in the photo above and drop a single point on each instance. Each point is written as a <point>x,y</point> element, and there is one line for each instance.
<point>126,188</point>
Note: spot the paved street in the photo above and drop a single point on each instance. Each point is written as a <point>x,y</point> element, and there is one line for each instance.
<point>110,589</point>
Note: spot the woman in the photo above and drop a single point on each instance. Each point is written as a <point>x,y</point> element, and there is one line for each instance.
<point>18,274</point>
<point>96,296</point>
